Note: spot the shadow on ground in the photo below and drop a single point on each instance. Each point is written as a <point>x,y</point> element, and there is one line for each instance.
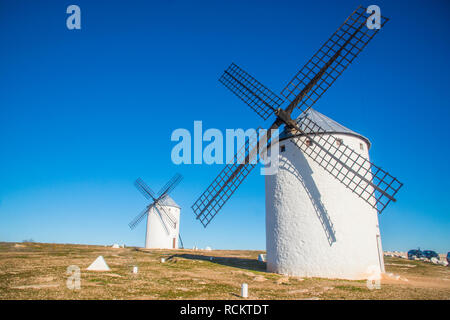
<point>242,263</point>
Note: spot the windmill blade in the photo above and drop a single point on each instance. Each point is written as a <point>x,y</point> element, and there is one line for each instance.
<point>158,213</point>
<point>226,183</point>
<point>371,183</point>
<point>328,63</point>
<point>139,218</point>
<point>181,241</point>
<point>170,185</point>
<point>167,214</point>
<point>164,213</point>
<point>144,189</point>
<point>258,97</point>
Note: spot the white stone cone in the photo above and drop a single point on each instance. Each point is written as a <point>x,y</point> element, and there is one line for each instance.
<point>99,265</point>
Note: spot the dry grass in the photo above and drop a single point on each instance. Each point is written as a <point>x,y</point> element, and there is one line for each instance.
<point>38,271</point>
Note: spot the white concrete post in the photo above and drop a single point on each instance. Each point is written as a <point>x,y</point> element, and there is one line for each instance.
<point>244,290</point>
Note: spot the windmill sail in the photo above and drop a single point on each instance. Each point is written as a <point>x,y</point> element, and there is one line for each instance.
<point>258,97</point>
<point>371,183</point>
<point>225,184</point>
<point>144,189</point>
<point>328,63</point>
<point>166,215</point>
<point>169,186</point>
<point>139,217</point>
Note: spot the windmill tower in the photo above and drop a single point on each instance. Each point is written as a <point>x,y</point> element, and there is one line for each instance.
<point>163,216</point>
<point>322,205</point>
<point>315,225</point>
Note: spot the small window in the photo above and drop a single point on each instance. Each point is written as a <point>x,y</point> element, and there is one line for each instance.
<point>339,142</point>
<point>282,148</point>
<point>361,146</point>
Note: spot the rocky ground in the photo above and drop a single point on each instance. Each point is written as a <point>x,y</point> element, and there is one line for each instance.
<point>39,271</point>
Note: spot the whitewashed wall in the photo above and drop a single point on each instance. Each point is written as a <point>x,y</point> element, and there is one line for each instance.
<point>157,236</point>
<point>315,226</point>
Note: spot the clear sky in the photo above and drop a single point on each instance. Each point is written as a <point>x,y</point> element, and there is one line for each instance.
<point>83,113</point>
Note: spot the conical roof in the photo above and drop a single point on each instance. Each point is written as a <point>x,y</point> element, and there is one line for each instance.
<point>328,125</point>
<point>169,202</point>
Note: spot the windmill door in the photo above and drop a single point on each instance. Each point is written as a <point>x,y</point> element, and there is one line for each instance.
<point>174,242</point>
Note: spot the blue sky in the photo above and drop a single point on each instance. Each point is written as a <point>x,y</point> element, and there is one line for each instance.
<point>84,113</point>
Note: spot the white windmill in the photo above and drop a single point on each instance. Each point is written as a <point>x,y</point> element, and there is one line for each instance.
<point>322,204</point>
<point>315,226</point>
<point>163,216</point>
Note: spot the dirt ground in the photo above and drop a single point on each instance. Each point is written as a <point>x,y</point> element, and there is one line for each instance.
<point>39,271</point>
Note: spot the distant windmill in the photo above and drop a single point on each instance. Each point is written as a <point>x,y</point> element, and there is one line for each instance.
<point>315,226</point>
<point>163,216</point>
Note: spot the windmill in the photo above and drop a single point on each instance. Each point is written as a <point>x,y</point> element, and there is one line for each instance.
<point>345,189</point>
<point>163,215</point>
